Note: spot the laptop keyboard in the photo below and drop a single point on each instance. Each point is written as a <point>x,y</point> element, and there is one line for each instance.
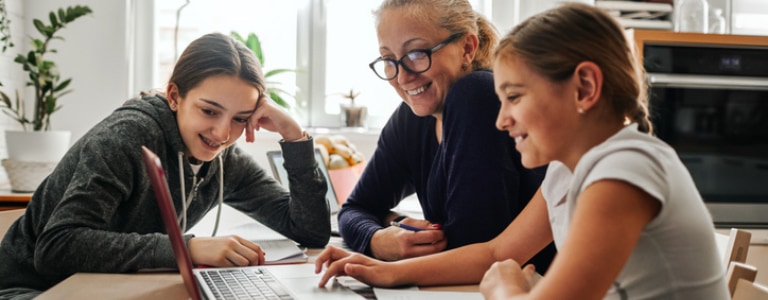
<point>334,223</point>
<point>248,283</point>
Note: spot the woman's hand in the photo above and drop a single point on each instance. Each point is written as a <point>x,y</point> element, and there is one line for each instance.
<point>395,243</point>
<point>273,119</point>
<point>225,251</point>
<point>505,279</point>
<point>368,270</point>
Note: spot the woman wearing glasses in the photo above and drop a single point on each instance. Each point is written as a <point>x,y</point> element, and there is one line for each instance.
<point>441,143</point>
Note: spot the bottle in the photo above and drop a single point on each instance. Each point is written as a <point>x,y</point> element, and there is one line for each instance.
<point>718,22</point>
<point>692,16</point>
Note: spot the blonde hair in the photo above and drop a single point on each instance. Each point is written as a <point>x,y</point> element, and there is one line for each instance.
<point>456,16</point>
<point>554,42</point>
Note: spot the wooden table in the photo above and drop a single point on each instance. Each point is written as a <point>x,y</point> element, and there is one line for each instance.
<point>11,200</point>
<point>157,285</point>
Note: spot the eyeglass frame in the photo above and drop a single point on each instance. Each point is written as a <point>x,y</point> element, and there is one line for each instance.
<point>399,62</point>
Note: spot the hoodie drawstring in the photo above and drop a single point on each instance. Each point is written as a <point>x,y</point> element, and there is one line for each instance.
<point>184,202</point>
<point>183,195</point>
<point>221,196</point>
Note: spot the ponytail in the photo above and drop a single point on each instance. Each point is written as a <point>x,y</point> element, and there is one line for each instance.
<point>487,39</point>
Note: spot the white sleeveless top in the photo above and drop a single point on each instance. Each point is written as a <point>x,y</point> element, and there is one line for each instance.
<point>676,256</point>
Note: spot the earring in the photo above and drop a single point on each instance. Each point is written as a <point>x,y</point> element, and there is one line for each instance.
<point>173,107</point>
<point>580,110</point>
<point>464,66</point>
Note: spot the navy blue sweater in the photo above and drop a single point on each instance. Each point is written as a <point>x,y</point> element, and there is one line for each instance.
<point>472,183</point>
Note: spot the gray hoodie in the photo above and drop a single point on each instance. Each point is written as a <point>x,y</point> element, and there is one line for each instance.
<point>97,211</point>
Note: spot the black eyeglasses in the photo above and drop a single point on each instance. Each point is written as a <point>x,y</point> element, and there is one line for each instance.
<point>416,61</point>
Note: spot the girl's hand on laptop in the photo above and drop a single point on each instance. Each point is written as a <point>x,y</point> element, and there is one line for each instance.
<point>368,270</point>
<point>225,251</point>
<point>273,119</point>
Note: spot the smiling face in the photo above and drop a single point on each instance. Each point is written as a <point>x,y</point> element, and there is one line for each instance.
<point>534,111</point>
<point>213,114</point>
<point>400,33</point>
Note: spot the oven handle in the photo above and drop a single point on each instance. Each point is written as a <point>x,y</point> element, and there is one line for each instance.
<point>707,82</point>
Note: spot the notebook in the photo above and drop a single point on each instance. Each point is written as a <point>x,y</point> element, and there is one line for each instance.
<point>278,171</point>
<point>292,281</point>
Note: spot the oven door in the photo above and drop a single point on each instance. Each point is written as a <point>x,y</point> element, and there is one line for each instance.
<point>719,127</point>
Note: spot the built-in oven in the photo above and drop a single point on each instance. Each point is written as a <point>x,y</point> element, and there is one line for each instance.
<point>710,103</point>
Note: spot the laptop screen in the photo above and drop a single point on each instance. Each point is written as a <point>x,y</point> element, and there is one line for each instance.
<point>163,195</point>
<point>278,171</point>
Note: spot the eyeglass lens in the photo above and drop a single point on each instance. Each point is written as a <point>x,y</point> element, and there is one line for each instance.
<point>415,61</point>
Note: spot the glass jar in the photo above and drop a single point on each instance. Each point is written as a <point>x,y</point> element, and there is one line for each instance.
<point>692,16</point>
<point>718,22</point>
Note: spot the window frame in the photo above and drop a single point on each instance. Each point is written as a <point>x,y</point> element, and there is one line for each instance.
<point>311,56</point>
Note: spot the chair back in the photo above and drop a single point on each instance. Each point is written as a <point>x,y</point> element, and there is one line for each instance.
<point>746,290</point>
<point>739,271</point>
<point>734,246</point>
<point>7,217</point>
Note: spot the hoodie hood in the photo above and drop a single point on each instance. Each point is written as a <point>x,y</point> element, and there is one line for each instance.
<point>156,107</point>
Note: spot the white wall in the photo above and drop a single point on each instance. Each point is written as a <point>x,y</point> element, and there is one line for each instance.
<point>94,54</point>
<point>10,73</point>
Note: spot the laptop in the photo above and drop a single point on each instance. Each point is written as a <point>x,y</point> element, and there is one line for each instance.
<point>278,171</point>
<point>293,281</point>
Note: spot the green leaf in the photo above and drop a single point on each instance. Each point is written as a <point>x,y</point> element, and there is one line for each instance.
<point>40,27</point>
<point>54,21</point>
<point>276,90</point>
<point>279,100</point>
<point>73,13</point>
<point>6,100</point>
<point>59,95</point>
<point>38,44</point>
<point>62,85</point>
<point>32,58</point>
<point>237,36</point>
<point>274,72</point>
<point>20,59</point>
<point>50,104</point>
<point>254,44</point>
<point>62,15</point>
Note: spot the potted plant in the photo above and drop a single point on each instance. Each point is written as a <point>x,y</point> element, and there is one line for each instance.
<point>35,150</point>
<point>274,88</point>
<point>352,114</point>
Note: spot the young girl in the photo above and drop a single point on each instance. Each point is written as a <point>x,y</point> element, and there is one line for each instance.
<point>619,204</point>
<point>97,212</point>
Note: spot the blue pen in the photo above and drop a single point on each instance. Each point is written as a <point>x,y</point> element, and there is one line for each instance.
<point>403,226</point>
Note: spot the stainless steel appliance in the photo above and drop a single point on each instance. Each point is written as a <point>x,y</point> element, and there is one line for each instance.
<point>710,102</point>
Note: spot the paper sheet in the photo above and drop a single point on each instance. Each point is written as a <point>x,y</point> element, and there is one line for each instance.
<point>278,248</point>
<point>415,293</point>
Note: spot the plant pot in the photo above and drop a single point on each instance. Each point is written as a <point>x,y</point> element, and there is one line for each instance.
<point>32,155</point>
<point>353,115</point>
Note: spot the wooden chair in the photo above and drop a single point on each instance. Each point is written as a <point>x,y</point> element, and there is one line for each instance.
<point>739,271</point>
<point>733,247</point>
<point>7,217</point>
<point>747,290</point>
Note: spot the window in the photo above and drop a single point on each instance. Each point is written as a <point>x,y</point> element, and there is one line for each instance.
<point>330,42</point>
<point>349,51</point>
<point>273,21</point>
